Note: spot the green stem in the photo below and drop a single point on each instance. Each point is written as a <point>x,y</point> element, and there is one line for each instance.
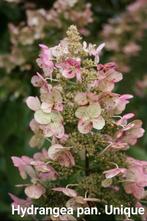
<point>86,163</point>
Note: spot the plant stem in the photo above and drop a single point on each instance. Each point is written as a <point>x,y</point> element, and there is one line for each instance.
<point>86,163</point>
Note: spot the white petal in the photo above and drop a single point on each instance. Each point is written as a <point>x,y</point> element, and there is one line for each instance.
<point>81,112</point>
<point>46,107</point>
<point>41,117</point>
<point>98,123</point>
<point>100,47</point>
<point>93,110</point>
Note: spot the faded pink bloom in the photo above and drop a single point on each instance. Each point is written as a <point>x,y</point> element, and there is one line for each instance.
<point>107,76</point>
<point>50,123</point>
<point>98,51</point>
<point>118,145</point>
<point>43,156</point>
<point>123,101</point>
<point>82,98</point>
<point>47,123</point>
<point>22,202</point>
<point>37,81</point>
<point>136,178</point>
<point>36,168</point>
<point>124,120</point>
<point>79,201</point>
<point>130,133</point>
<point>63,218</point>
<point>24,167</point>
<point>60,50</point>
<point>64,138</point>
<point>114,144</point>
<point>61,154</point>
<point>51,99</point>
<point>45,171</point>
<point>114,103</point>
<point>33,103</point>
<point>70,68</point>
<point>89,117</point>
<point>92,50</point>
<point>35,191</point>
<point>75,200</point>
<point>34,126</point>
<point>141,86</point>
<point>37,139</point>
<point>114,172</point>
<point>131,48</point>
<point>67,191</point>
<point>89,48</point>
<point>135,6</point>
<point>45,61</point>
<point>55,129</point>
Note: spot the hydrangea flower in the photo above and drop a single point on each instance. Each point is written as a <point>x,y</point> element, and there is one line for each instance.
<point>61,154</point>
<point>45,171</point>
<point>114,172</point>
<point>63,218</point>
<point>45,60</point>
<point>136,178</point>
<point>70,68</point>
<point>24,165</point>
<point>124,120</point>
<point>114,103</point>
<point>34,191</point>
<point>130,133</point>
<point>77,122</point>
<point>92,50</point>
<point>37,139</point>
<point>89,117</point>
<point>51,121</point>
<point>75,200</point>
<point>107,76</point>
<point>21,202</point>
<point>52,100</point>
<point>82,98</point>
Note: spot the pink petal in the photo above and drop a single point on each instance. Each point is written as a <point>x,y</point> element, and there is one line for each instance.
<point>113,172</point>
<point>54,150</point>
<point>66,159</point>
<point>126,96</point>
<point>123,120</point>
<point>84,127</point>
<point>67,191</point>
<point>36,81</point>
<point>33,103</point>
<point>22,202</point>
<point>21,163</point>
<point>34,191</point>
<point>81,98</point>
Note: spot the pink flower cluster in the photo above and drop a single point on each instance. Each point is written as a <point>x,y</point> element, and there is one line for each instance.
<point>136,178</point>
<point>130,23</point>
<point>40,23</point>
<point>68,93</point>
<point>141,87</point>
